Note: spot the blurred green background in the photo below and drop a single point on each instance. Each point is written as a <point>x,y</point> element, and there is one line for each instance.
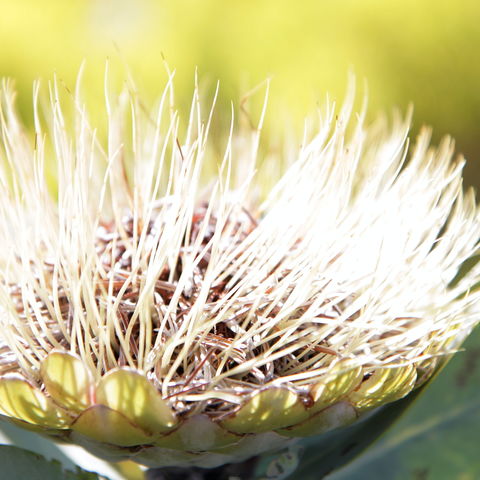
<point>420,51</point>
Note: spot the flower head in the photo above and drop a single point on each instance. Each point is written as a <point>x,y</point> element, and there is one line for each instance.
<point>151,309</point>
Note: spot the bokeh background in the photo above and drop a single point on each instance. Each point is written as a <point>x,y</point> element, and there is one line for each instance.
<point>420,51</point>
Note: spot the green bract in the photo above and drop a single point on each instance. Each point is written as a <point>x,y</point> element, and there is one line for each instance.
<point>123,415</point>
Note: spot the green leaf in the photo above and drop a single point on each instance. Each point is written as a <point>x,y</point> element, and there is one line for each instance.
<point>22,464</point>
<point>439,437</point>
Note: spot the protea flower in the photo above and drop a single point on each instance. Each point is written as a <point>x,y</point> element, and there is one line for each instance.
<point>159,304</point>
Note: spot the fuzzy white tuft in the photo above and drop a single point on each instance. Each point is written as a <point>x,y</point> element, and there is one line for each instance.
<point>141,259</point>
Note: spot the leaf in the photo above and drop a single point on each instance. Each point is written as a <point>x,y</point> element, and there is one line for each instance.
<point>439,437</point>
<point>19,463</point>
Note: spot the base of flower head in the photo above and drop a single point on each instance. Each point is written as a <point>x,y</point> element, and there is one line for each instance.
<point>123,416</point>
